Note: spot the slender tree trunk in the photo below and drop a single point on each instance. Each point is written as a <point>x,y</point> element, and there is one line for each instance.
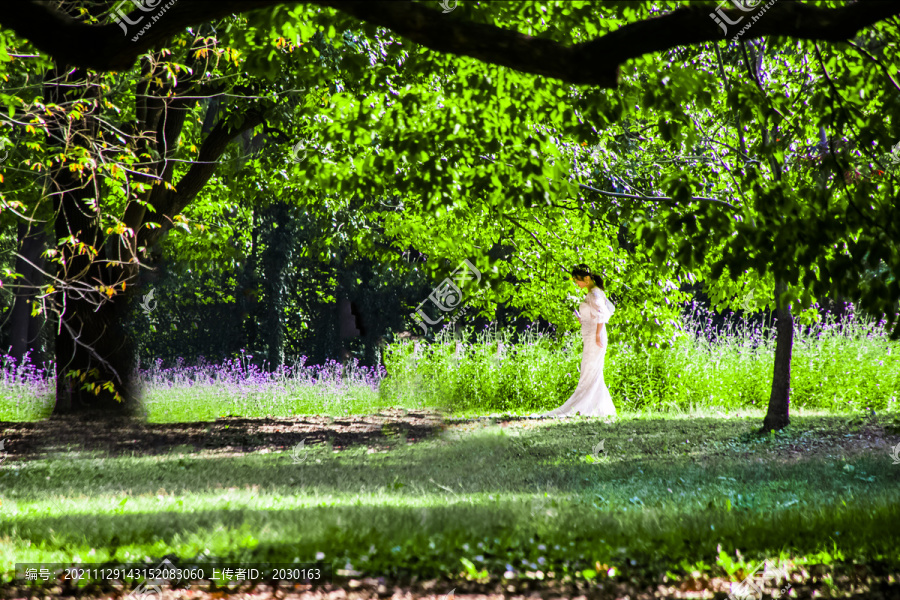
<point>25,329</point>
<point>777,417</point>
<point>276,262</point>
<point>89,338</point>
<point>249,284</point>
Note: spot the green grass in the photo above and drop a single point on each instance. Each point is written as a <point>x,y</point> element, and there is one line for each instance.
<point>180,405</point>
<point>849,367</point>
<point>683,486</point>
<point>677,494</point>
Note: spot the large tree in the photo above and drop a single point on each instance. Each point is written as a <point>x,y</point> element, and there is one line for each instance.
<point>123,160</point>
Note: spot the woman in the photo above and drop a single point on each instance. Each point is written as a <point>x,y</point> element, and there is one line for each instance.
<point>591,398</point>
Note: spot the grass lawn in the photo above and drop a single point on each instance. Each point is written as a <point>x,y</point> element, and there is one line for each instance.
<point>689,503</point>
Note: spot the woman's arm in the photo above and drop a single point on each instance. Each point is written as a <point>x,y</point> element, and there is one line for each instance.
<point>599,299</point>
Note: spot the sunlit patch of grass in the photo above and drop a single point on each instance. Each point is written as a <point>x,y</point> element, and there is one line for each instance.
<point>663,494</point>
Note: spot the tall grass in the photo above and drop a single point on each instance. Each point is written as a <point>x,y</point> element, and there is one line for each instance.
<point>835,366</point>
<point>490,374</point>
<point>25,389</point>
<point>206,391</point>
<point>846,366</point>
<point>238,387</point>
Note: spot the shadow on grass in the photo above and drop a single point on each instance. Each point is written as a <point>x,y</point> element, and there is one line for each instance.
<point>657,494</point>
<point>130,437</point>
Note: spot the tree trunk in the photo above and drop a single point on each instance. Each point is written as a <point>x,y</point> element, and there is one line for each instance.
<point>276,261</point>
<point>777,416</point>
<point>25,329</point>
<point>89,336</point>
<point>93,338</point>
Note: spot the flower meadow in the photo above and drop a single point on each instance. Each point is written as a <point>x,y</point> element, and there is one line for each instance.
<point>26,390</point>
<point>205,391</point>
<point>241,388</point>
<point>846,366</point>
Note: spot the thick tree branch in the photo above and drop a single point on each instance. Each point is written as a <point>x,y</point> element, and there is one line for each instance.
<point>110,47</point>
<point>198,175</point>
<point>161,111</point>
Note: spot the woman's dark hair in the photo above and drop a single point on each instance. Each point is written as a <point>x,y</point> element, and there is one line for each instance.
<point>581,271</point>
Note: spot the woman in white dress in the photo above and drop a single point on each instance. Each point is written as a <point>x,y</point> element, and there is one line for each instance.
<point>591,398</point>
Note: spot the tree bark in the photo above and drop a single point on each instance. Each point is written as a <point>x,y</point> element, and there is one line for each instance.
<point>777,416</point>
<point>25,329</point>
<point>89,337</point>
<point>92,338</point>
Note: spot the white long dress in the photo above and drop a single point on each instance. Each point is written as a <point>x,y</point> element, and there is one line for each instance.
<point>591,398</point>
